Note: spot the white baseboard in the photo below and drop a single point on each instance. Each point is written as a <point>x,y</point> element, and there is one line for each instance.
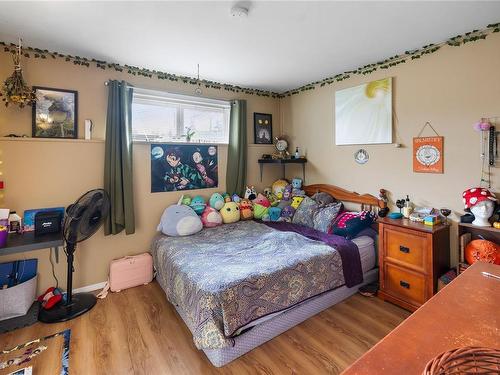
<point>90,288</point>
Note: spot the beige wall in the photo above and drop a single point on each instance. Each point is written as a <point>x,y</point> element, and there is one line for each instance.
<point>452,89</point>
<point>46,173</point>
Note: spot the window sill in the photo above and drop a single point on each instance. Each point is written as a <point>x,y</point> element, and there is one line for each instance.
<point>69,140</point>
<point>180,143</point>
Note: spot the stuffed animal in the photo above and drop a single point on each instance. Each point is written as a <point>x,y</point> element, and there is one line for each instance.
<point>274,213</point>
<point>216,201</point>
<point>296,201</point>
<point>236,198</point>
<point>246,209</point>
<point>211,217</point>
<point>287,214</point>
<point>179,220</point>
<point>297,187</point>
<point>267,191</point>
<point>278,187</point>
<point>198,204</point>
<point>230,213</point>
<point>262,200</point>
<point>50,298</point>
<point>259,211</point>
<point>323,199</point>
<point>227,197</point>
<point>287,193</point>
<point>186,200</point>
<point>250,193</point>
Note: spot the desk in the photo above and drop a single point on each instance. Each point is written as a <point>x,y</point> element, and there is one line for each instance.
<point>19,243</point>
<point>463,313</point>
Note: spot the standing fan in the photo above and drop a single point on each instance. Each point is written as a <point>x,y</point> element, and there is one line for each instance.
<point>83,218</point>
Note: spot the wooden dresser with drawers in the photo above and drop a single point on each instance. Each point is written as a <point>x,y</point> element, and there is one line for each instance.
<point>412,256</point>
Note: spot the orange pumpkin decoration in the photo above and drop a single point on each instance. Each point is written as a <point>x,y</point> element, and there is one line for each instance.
<point>482,251</point>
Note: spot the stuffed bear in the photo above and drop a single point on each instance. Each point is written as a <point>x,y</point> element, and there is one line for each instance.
<point>287,214</point>
<point>179,220</point>
<point>246,209</point>
<point>211,217</point>
<point>287,193</point>
<point>297,187</point>
<point>216,201</point>
<point>230,213</point>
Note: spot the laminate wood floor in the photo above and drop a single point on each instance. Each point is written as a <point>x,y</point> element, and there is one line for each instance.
<point>138,332</point>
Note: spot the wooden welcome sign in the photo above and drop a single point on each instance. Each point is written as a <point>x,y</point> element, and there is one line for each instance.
<point>428,154</point>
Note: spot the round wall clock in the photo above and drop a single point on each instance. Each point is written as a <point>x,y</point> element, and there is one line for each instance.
<point>361,156</point>
<point>428,155</point>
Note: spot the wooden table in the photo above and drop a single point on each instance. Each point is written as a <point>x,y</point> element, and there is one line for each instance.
<point>465,313</point>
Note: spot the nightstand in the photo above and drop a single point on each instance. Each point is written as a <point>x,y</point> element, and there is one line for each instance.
<point>412,256</point>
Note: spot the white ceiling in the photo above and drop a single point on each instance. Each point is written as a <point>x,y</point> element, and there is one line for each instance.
<point>280,46</point>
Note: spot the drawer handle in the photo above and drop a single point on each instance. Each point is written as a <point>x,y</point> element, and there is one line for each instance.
<point>404,249</point>
<point>404,284</point>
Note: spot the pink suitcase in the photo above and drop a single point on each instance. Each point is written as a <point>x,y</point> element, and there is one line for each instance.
<point>130,271</point>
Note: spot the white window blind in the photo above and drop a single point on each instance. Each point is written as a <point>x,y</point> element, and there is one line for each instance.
<point>159,116</point>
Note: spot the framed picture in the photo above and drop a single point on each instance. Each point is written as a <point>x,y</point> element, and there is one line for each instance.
<point>55,113</point>
<point>363,114</point>
<point>179,167</point>
<point>263,128</point>
<point>428,154</point>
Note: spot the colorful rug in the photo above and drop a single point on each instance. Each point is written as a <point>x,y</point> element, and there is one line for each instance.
<point>33,352</point>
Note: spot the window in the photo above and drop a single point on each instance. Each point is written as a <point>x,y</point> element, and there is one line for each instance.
<point>163,117</point>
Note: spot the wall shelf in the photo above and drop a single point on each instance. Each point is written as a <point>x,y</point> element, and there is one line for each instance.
<point>30,139</point>
<point>283,163</point>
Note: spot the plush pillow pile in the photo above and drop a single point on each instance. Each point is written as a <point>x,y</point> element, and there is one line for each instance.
<point>305,213</point>
<point>349,224</point>
<point>324,217</point>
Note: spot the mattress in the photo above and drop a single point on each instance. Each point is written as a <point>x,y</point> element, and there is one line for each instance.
<point>367,253</point>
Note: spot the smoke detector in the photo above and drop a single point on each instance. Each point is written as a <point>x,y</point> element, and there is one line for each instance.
<point>239,11</point>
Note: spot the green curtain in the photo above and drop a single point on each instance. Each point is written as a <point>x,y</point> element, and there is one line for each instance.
<point>118,159</point>
<point>237,149</point>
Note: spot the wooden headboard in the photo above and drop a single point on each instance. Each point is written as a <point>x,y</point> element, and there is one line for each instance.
<point>367,201</point>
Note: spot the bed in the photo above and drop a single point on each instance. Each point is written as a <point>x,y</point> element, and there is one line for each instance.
<point>239,285</point>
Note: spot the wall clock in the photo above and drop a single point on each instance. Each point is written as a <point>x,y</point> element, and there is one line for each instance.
<point>281,146</point>
<point>361,156</point>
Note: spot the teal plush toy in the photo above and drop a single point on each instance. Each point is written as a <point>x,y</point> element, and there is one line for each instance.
<point>198,204</point>
<point>274,213</point>
<point>216,201</point>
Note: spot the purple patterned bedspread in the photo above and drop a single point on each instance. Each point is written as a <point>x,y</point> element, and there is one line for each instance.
<point>348,250</point>
<point>226,277</point>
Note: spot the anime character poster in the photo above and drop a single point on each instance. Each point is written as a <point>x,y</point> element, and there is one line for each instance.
<point>177,167</point>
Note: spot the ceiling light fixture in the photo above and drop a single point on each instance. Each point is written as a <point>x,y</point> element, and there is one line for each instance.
<point>239,11</point>
<point>197,91</point>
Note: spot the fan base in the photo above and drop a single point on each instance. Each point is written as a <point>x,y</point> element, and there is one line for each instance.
<point>80,304</point>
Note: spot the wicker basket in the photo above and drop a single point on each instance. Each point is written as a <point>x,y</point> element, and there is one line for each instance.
<point>467,360</point>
